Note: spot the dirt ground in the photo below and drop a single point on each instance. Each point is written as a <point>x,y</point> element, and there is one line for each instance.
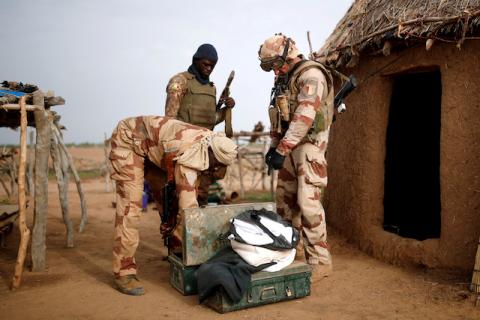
<point>77,283</point>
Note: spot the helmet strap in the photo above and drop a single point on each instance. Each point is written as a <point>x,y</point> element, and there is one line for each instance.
<point>285,50</point>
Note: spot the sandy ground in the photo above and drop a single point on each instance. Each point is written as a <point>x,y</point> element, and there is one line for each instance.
<point>77,283</point>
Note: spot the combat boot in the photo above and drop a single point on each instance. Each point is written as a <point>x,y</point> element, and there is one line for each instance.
<point>130,285</point>
<point>299,253</point>
<point>320,271</point>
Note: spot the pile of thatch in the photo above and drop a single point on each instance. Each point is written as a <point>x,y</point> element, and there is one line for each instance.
<point>379,26</point>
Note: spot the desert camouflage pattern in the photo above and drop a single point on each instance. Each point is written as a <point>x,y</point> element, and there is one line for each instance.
<point>305,103</point>
<point>303,178</point>
<point>274,46</point>
<point>300,187</point>
<point>133,141</point>
<point>177,88</point>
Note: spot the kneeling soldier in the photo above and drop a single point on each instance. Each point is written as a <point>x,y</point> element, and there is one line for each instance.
<point>153,139</point>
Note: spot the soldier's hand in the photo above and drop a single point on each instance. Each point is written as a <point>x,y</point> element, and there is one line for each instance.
<point>277,160</point>
<point>229,102</point>
<point>268,156</point>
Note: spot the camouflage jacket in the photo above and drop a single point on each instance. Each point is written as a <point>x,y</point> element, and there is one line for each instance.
<point>307,93</point>
<point>153,136</point>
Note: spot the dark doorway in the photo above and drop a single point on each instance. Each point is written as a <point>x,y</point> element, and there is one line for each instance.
<point>412,164</point>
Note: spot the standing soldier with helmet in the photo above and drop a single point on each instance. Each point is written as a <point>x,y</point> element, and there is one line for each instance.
<point>191,98</point>
<point>301,113</point>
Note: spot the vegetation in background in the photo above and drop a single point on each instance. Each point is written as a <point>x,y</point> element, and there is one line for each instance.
<point>258,196</point>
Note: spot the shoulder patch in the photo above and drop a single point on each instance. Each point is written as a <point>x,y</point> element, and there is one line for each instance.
<point>173,87</point>
<point>309,88</point>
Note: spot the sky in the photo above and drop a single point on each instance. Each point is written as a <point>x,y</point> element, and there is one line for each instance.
<point>112,59</point>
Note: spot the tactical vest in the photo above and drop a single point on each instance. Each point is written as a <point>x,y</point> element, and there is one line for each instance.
<point>324,116</point>
<point>198,106</point>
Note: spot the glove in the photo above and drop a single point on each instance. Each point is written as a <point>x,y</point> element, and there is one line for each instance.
<point>268,156</point>
<point>276,161</point>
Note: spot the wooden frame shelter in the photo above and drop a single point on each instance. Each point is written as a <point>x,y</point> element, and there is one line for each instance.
<point>22,105</point>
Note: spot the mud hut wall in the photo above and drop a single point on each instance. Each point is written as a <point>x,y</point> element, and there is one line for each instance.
<point>357,149</point>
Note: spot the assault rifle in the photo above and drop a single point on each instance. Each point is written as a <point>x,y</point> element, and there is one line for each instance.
<point>226,91</point>
<point>170,201</point>
<point>279,88</point>
<point>344,91</point>
<point>228,112</point>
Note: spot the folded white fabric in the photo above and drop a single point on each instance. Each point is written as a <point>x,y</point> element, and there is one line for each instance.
<point>254,235</point>
<point>256,256</point>
<point>250,233</point>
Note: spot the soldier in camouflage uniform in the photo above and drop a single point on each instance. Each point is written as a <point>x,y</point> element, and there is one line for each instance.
<point>301,114</point>
<point>191,98</point>
<point>149,138</point>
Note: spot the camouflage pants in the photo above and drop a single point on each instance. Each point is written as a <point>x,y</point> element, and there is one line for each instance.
<point>128,172</point>
<point>301,183</point>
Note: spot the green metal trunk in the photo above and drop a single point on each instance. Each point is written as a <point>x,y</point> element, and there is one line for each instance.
<point>182,278</point>
<point>201,240</point>
<point>267,287</point>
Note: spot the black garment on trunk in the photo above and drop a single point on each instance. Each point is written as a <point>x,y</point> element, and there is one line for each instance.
<point>228,270</point>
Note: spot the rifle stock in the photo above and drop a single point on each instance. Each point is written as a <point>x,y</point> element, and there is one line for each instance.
<point>345,90</point>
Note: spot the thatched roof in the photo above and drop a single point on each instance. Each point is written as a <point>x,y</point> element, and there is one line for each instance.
<point>378,26</point>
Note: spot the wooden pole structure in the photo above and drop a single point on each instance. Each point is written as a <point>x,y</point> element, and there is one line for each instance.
<point>265,168</point>
<point>62,190</point>
<point>31,187</point>
<point>108,180</point>
<point>5,187</point>
<point>22,224</point>
<point>240,174</point>
<point>13,175</point>
<point>42,150</point>
<point>272,184</point>
<point>10,106</point>
<point>83,205</point>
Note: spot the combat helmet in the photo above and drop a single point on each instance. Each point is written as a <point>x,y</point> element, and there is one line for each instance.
<point>276,50</point>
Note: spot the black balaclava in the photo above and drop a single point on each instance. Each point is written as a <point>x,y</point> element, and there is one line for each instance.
<point>205,51</point>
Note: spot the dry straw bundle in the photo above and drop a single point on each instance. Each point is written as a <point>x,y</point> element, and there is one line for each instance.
<point>377,26</point>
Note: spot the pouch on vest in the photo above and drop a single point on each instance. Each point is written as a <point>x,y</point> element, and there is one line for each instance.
<point>264,229</point>
<point>281,102</point>
<point>274,115</point>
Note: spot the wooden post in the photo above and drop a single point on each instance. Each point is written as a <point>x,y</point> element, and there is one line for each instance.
<point>108,180</point>
<point>240,173</point>
<point>265,167</point>
<point>42,150</point>
<point>272,184</point>
<point>22,204</point>
<point>31,188</point>
<point>62,190</point>
<point>5,187</point>
<point>83,205</point>
<point>13,175</point>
